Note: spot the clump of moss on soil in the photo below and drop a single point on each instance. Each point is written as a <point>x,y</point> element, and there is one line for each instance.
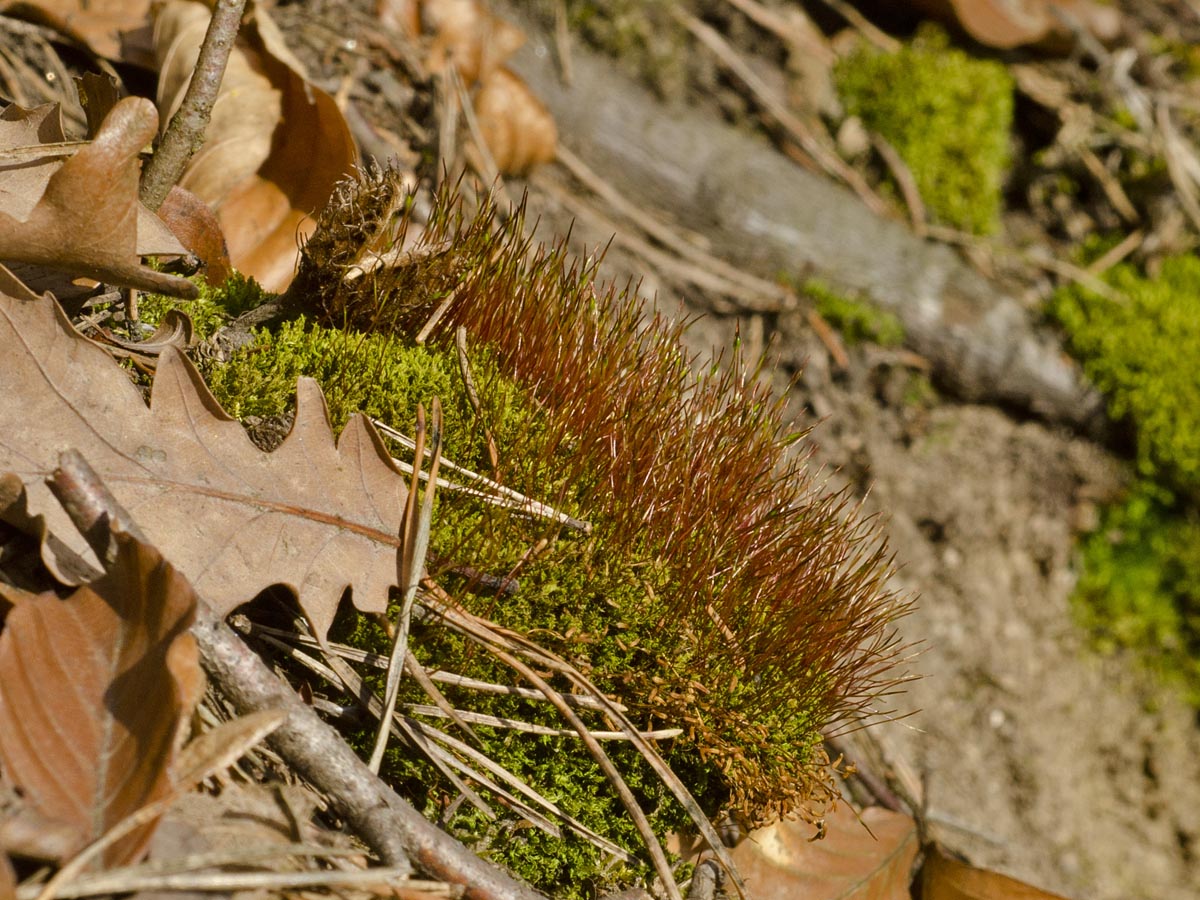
<point>857,320</point>
<point>1140,586</point>
<point>719,590</point>
<point>947,114</point>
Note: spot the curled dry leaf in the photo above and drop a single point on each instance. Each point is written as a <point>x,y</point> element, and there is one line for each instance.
<point>82,215</point>
<point>403,16</point>
<point>195,224</point>
<point>313,515</point>
<point>95,692</point>
<point>945,878</point>
<point>175,330</point>
<point>115,29</point>
<point>26,832</point>
<point>275,145</point>
<point>782,862</point>
<point>516,126</point>
<point>1005,24</point>
<point>467,37</point>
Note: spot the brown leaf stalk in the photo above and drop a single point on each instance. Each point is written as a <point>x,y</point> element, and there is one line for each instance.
<point>386,822</point>
<point>185,134</point>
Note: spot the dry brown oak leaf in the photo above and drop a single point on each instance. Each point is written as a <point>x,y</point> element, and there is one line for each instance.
<point>82,216</point>
<point>313,516</point>
<point>95,693</point>
<point>116,29</point>
<point>783,862</point>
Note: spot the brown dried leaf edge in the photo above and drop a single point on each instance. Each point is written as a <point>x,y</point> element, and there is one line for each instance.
<point>95,691</point>
<point>315,516</point>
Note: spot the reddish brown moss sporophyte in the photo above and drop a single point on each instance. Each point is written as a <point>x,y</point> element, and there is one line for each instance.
<point>761,612</point>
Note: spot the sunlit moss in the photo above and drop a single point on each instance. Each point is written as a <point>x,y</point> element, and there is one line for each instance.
<point>947,114</point>
<point>1140,585</point>
<point>856,319</point>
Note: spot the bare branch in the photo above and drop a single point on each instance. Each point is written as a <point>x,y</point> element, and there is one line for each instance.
<point>185,134</point>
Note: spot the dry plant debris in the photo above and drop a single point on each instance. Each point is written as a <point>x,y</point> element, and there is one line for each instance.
<point>83,215</point>
<point>469,43</point>
<point>97,690</point>
<point>850,861</point>
<point>274,148</point>
<point>313,515</point>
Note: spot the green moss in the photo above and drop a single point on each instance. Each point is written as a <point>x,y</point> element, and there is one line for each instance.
<point>216,305</point>
<point>856,319</point>
<point>947,114</point>
<point>1140,587</point>
<point>1143,352</point>
<point>644,36</point>
<point>567,594</point>
<point>737,603</point>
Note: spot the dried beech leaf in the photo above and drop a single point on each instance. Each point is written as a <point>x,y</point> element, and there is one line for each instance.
<point>780,862</point>
<point>314,516</point>
<point>1004,24</point>
<point>82,215</point>
<point>403,16</point>
<point>275,145</point>
<point>516,126</point>
<point>467,37</point>
<point>194,223</point>
<point>115,29</point>
<point>944,878</point>
<point>27,833</point>
<point>95,691</point>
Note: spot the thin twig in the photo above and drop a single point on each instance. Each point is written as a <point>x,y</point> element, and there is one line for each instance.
<point>774,22</point>
<point>1129,243</point>
<point>669,264</point>
<point>904,178</point>
<point>381,662</point>
<point>122,881</point>
<point>185,134</point>
<point>436,316</point>
<point>500,772</point>
<point>488,490</point>
<point>41,151</point>
<point>495,644</point>
<point>866,28</point>
<point>664,234</point>
<point>562,42</point>
<point>822,155</point>
<point>661,734</point>
<point>1110,185</point>
<point>471,626</point>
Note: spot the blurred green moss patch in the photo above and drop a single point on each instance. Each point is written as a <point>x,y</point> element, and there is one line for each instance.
<point>947,114</point>
<point>856,319</point>
<point>1140,584</point>
<point>1143,352</point>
